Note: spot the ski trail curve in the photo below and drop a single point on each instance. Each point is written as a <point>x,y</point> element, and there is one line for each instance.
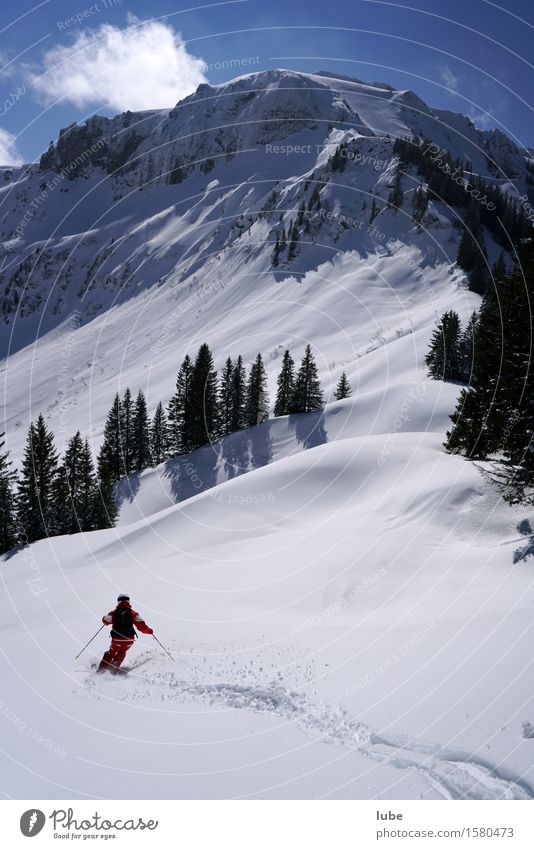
<point>455,774</point>
<point>458,775</point>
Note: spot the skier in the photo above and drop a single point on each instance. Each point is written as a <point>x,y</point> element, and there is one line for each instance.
<point>123,619</point>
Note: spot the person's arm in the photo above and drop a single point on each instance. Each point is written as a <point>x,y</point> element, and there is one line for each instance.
<point>140,623</point>
<point>108,618</point>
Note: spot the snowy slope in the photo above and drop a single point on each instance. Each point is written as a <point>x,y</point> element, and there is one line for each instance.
<point>344,601</point>
<point>348,309</point>
<point>347,620</point>
<point>361,631</point>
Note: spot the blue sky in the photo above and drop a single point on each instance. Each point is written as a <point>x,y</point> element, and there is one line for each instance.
<point>63,60</point>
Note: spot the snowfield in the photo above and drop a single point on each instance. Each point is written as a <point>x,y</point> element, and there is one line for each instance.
<point>340,629</point>
<point>350,609</point>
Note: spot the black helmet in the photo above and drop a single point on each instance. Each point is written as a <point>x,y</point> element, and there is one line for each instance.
<point>123,597</point>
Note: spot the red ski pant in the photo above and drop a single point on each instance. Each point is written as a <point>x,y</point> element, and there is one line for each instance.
<point>116,652</point>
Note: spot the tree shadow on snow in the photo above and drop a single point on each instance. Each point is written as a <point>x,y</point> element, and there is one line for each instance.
<point>192,473</point>
<point>245,451</point>
<point>7,555</point>
<point>212,464</point>
<point>309,428</point>
<point>525,529</point>
<point>127,488</point>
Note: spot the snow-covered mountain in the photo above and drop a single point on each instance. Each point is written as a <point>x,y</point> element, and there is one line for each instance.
<point>326,579</point>
<point>121,204</point>
<point>176,213</point>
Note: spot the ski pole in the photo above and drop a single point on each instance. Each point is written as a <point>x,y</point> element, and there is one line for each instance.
<point>90,641</point>
<point>163,647</point>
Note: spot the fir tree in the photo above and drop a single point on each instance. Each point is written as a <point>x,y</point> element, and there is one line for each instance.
<point>294,237</point>
<point>516,376</point>
<point>338,160</point>
<point>87,491</point>
<point>75,488</point>
<point>467,348</point>
<point>112,445</point>
<point>419,204</point>
<point>479,275</point>
<point>104,512</point>
<point>36,510</point>
<point>443,358</point>
<point>315,198</point>
<point>499,268</point>
<point>225,399</point>
<point>480,407</point>
<point>179,411</point>
<point>159,436</point>
<point>141,455</point>
<point>285,386</point>
<point>469,433</point>
<point>62,512</point>
<point>307,394</point>
<point>283,237</point>
<point>396,196</point>
<point>343,389</point>
<point>8,527</point>
<point>238,395</point>
<point>203,398</point>
<point>256,398</point>
<point>437,186</point>
<point>472,250</point>
<point>126,428</point>
<point>71,484</point>
<point>277,251</point>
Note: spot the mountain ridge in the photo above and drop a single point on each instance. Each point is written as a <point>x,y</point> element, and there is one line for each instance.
<point>139,151</point>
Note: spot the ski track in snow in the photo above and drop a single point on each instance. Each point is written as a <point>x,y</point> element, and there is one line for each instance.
<point>454,774</point>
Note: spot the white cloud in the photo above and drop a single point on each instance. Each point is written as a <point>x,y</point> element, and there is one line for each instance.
<point>9,155</point>
<point>144,66</point>
<point>482,120</point>
<point>449,79</point>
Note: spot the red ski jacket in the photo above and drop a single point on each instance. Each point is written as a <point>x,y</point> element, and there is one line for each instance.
<point>138,621</point>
